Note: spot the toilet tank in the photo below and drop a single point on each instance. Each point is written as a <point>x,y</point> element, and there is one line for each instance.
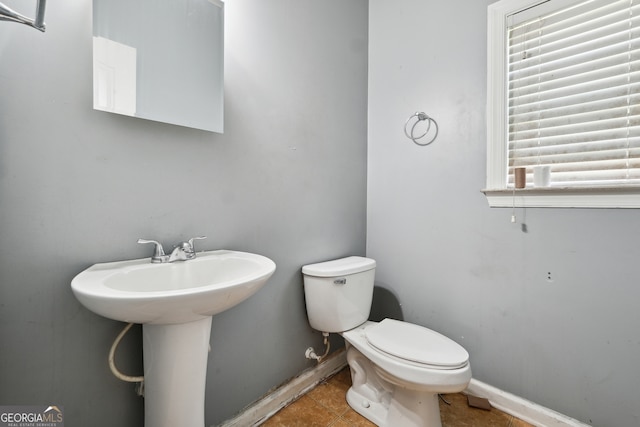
<point>338,293</point>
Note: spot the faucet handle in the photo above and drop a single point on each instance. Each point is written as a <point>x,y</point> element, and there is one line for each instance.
<point>158,252</point>
<point>195,238</point>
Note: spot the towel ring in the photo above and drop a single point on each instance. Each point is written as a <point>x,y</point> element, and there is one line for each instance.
<point>420,117</point>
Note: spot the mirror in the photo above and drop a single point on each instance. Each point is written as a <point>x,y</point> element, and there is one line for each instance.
<point>160,60</point>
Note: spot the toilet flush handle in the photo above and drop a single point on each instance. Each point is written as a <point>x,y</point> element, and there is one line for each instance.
<point>340,281</point>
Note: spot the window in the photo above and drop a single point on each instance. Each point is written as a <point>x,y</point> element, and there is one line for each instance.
<point>564,92</point>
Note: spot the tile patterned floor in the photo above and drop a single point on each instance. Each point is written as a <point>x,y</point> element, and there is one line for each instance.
<point>326,406</point>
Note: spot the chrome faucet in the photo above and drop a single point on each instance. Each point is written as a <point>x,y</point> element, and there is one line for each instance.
<point>183,251</point>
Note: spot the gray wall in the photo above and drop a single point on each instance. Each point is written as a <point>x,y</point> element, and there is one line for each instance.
<point>462,268</point>
<point>77,186</point>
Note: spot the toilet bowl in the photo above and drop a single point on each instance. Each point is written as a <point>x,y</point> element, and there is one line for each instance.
<point>397,368</point>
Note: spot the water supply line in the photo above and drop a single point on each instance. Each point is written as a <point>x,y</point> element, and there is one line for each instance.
<point>114,369</point>
<point>310,353</point>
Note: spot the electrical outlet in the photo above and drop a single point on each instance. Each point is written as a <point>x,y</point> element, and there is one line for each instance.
<point>549,277</point>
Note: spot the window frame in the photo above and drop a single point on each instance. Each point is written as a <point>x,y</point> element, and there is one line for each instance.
<point>496,191</point>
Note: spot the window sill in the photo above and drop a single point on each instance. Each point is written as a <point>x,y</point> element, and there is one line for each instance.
<point>563,197</point>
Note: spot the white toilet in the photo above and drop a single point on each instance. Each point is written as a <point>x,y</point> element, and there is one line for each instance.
<point>397,368</point>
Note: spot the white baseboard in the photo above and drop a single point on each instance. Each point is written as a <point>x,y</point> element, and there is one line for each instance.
<point>521,408</point>
<point>260,411</point>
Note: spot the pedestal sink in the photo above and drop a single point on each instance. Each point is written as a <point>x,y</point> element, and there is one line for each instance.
<point>175,303</point>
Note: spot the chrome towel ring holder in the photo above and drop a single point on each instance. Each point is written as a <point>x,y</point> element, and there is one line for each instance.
<point>420,117</point>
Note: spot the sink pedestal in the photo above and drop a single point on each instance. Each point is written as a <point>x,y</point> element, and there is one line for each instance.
<point>175,372</point>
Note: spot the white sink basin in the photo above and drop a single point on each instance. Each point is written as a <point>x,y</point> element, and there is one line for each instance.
<point>174,302</point>
<point>138,291</point>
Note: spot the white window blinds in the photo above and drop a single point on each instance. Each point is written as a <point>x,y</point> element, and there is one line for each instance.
<point>574,92</point>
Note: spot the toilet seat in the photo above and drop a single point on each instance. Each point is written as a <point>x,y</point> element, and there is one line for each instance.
<point>400,370</point>
<point>416,344</point>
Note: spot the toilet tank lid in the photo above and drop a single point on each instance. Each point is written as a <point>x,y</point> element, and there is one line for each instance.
<point>339,267</point>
